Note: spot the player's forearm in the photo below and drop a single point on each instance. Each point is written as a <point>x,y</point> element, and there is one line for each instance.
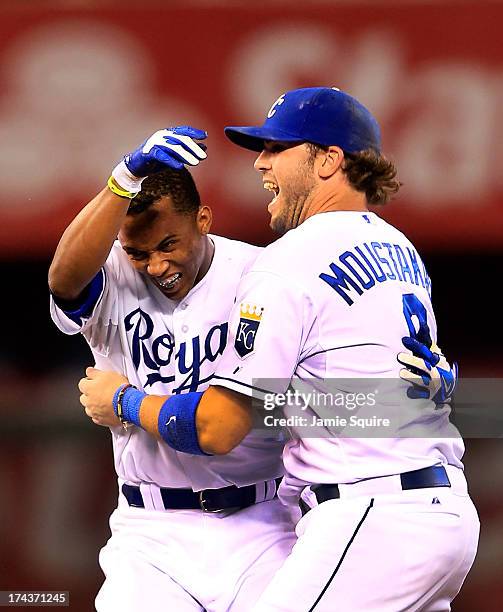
<point>149,414</point>
<point>213,422</point>
<point>86,243</point>
<point>222,418</point>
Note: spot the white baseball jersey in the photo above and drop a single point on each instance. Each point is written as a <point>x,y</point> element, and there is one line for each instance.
<point>166,347</point>
<point>332,299</point>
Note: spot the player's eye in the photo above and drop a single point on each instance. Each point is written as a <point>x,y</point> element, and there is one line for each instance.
<point>168,245</point>
<point>277,147</point>
<point>137,255</point>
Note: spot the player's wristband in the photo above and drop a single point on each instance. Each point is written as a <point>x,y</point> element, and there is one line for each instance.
<point>126,402</point>
<point>177,423</point>
<point>126,181</point>
<point>114,188</point>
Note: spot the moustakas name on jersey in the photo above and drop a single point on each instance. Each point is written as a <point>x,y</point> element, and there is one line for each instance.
<point>321,305</point>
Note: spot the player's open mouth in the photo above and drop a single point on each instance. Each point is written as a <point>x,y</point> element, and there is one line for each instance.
<point>270,186</point>
<point>170,282</point>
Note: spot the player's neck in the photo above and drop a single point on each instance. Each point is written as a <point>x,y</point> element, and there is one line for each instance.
<point>344,199</point>
<point>209,251</point>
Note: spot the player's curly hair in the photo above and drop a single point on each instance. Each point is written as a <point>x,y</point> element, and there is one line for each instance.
<point>176,184</point>
<point>368,172</point>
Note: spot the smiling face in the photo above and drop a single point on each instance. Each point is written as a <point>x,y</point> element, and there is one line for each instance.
<point>171,248</point>
<point>288,171</point>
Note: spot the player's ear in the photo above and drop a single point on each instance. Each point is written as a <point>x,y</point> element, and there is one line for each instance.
<point>204,219</point>
<point>330,162</point>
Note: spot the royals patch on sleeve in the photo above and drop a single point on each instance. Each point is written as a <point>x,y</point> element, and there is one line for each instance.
<point>247,329</point>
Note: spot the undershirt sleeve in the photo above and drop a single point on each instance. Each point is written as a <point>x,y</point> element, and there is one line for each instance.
<point>83,306</point>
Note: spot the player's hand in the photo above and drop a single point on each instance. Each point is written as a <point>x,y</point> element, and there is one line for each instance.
<point>172,147</point>
<point>429,372</point>
<point>98,389</point>
<point>169,148</point>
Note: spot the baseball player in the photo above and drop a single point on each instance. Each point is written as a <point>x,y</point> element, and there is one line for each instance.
<point>190,532</point>
<point>387,520</point>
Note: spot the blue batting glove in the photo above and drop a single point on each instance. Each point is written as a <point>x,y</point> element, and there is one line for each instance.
<point>171,147</point>
<point>428,371</point>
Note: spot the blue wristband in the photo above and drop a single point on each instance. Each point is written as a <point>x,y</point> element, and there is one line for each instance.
<point>177,423</point>
<point>126,402</point>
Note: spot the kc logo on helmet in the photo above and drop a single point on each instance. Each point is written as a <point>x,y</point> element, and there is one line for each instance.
<point>279,102</point>
<point>247,329</point>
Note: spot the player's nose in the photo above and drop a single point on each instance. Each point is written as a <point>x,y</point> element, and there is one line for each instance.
<point>262,163</point>
<point>157,264</point>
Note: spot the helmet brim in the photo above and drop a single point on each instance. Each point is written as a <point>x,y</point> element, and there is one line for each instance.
<point>253,138</point>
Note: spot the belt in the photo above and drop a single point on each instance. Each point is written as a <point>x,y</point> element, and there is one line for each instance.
<point>209,500</point>
<point>425,478</point>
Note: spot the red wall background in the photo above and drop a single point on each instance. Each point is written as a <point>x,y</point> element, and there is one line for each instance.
<point>79,88</point>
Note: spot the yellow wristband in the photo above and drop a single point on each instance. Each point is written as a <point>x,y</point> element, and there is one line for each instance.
<point>112,185</point>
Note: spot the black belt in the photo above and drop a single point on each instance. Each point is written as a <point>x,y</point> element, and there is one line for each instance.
<point>209,500</point>
<point>425,478</point>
